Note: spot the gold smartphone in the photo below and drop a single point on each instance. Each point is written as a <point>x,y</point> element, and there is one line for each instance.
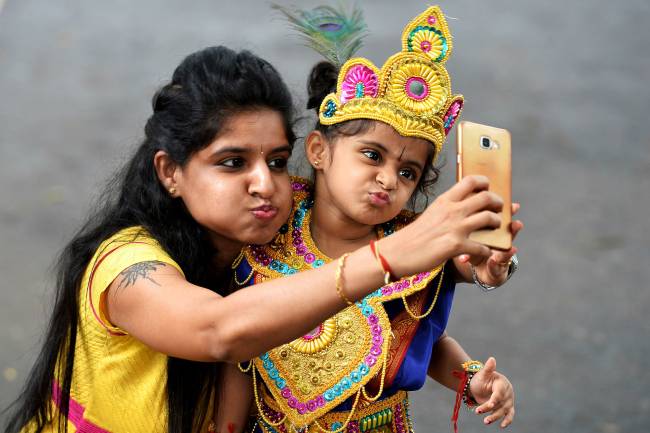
<point>486,150</point>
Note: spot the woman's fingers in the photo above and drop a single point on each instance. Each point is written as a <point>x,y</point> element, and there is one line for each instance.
<point>484,200</point>
<point>481,220</point>
<point>515,227</point>
<point>475,251</point>
<point>515,208</point>
<point>467,186</point>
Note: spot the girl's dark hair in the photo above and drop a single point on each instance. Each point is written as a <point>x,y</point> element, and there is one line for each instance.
<point>206,89</point>
<point>322,82</point>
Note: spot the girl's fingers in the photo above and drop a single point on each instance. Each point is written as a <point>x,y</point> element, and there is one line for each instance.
<point>497,414</point>
<point>501,258</point>
<point>493,403</point>
<point>507,420</point>
<point>490,365</point>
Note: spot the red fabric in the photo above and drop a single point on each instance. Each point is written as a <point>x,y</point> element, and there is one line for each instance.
<point>382,261</point>
<point>463,376</point>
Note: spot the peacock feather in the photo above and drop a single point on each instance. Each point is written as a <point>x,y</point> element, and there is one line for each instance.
<point>335,32</point>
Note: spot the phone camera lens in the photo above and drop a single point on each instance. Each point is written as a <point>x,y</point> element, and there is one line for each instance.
<point>486,143</point>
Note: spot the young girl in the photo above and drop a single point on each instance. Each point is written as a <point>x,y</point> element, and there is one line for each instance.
<point>373,148</point>
<point>143,321</point>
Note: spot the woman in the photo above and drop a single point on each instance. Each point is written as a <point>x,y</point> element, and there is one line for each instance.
<point>142,294</point>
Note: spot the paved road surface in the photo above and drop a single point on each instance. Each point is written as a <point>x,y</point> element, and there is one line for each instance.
<point>570,79</point>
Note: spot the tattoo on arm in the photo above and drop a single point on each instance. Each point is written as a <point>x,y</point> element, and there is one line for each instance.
<point>139,270</point>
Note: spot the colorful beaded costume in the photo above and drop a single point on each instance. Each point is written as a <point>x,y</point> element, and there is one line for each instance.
<point>306,381</point>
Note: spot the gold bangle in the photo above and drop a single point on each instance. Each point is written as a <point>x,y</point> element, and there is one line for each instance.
<point>339,282</point>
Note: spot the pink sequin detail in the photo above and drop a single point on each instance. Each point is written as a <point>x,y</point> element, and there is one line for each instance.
<point>425,46</point>
<point>452,113</point>
<point>355,75</point>
<point>309,258</point>
<point>286,392</point>
<point>431,20</point>
<point>315,333</point>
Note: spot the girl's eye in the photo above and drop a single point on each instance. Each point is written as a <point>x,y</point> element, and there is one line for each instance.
<point>372,154</point>
<point>279,163</point>
<point>407,173</point>
<point>232,162</point>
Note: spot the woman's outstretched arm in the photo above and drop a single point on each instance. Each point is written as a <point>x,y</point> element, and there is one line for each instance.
<point>180,319</point>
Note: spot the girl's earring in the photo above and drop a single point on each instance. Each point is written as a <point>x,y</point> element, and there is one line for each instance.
<point>172,190</point>
<point>317,162</point>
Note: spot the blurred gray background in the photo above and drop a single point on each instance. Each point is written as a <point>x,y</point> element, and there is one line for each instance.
<point>569,79</point>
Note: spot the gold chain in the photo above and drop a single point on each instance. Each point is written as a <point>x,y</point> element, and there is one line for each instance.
<point>259,406</point>
<point>433,303</point>
<point>347,421</point>
<point>247,369</point>
<point>234,266</point>
<point>338,279</point>
<point>381,381</point>
<point>238,260</point>
<point>246,280</point>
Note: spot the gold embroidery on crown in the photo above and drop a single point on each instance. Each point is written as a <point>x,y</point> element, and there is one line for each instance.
<point>426,46</point>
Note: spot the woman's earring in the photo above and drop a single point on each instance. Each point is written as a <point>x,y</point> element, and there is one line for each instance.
<point>172,190</point>
<point>317,162</point>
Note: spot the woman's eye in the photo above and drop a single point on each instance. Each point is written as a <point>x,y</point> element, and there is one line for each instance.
<point>278,163</point>
<point>372,155</point>
<point>407,173</point>
<point>232,162</point>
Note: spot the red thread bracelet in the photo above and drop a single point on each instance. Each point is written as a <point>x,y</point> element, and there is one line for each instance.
<point>385,267</point>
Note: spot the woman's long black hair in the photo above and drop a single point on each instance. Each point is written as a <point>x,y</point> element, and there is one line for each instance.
<point>206,88</point>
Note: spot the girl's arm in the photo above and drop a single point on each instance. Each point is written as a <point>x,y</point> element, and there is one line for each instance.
<point>492,390</point>
<point>235,399</point>
<point>180,319</point>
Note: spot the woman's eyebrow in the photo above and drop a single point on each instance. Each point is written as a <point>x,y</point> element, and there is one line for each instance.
<point>246,149</point>
<point>230,149</point>
<point>279,149</point>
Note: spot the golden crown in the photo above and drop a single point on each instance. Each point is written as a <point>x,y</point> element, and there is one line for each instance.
<point>411,92</point>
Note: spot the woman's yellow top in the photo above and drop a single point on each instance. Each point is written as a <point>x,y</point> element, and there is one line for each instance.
<point>118,383</point>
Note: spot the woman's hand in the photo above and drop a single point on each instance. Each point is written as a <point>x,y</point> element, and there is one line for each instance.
<point>493,269</point>
<point>442,230</point>
<point>494,393</point>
